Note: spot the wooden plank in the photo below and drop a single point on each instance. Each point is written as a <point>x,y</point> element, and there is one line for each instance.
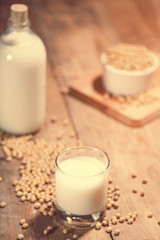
<point>134,113</point>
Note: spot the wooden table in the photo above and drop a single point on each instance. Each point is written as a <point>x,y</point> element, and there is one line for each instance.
<point>75,33</point>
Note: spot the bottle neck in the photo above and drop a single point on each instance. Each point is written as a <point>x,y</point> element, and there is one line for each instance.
<point>14,26</point>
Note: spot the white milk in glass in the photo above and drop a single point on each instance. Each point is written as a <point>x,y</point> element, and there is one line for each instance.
<point>81,185</point>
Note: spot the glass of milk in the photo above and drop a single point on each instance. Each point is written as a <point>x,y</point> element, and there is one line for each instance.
<point>81,177</point>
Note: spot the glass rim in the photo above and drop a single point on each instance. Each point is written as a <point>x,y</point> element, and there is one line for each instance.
<point>82,147</point>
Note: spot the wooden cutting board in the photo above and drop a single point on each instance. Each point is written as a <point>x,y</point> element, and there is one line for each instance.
<point>134,112</point>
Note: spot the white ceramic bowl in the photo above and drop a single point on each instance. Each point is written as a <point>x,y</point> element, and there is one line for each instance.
<point>124,82</point>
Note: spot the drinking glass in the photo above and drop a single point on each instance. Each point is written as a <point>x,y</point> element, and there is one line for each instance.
<point>81,178</point>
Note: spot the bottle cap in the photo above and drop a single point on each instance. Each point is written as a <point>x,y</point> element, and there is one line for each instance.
<point>18,13</point>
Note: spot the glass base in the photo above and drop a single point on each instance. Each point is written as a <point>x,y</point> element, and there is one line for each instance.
<point>79,221</point>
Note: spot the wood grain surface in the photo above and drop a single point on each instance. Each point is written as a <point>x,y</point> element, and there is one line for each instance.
<point>134,111</point>
<point>75,33</point>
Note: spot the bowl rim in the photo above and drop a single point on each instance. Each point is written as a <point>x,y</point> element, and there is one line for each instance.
<point>131,72</point>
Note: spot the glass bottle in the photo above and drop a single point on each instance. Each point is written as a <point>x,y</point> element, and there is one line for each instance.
<point>22,75</point>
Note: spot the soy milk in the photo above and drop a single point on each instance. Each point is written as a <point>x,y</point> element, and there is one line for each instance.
<point>22,75</point>
<point>81,185</point>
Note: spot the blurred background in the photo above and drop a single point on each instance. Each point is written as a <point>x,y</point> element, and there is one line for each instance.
<point>87,27</point>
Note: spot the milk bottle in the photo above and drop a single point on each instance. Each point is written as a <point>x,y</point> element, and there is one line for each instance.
<point>22,75</point>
